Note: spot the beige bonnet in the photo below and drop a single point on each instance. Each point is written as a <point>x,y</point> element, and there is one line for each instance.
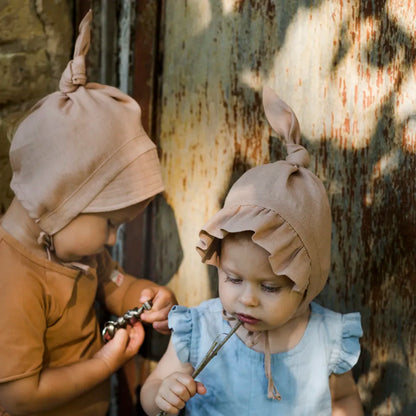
<point>82,149</point>
<point>286,207</point>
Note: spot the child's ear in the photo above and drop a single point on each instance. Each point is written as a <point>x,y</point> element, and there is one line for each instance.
<point>280,116</point>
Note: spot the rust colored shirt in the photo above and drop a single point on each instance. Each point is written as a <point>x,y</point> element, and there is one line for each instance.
<point>48,320</point>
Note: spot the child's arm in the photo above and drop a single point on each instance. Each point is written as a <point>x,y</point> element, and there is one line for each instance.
<point>132,292</point>
<point>169,386</point>
<point>345,398</point>
<point>56,386</point>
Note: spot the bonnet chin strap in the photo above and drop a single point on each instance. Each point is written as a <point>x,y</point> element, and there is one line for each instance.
<point>253,338</point>
<point>46,241</point>
<point>272,392</point>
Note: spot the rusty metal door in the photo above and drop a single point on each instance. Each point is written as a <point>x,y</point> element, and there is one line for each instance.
<point>348,70</point>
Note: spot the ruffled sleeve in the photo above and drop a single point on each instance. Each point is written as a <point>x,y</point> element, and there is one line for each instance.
<point>180,321</point>
<point>347,352</point>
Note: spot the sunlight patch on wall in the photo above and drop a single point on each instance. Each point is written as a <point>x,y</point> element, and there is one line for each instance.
<point>201,13</point>
<point>340,91</point>
<point>228,6</point>
<point>252,79</point>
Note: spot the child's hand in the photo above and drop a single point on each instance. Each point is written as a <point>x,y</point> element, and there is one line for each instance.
<point>162,299</point>
<point>176,390</point>
<point>124,345</point>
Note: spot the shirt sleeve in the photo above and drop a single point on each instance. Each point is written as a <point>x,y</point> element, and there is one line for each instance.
<point>22,308</point>
<point>348,348</point>
<point>180,321</point>
<point>111,281</point>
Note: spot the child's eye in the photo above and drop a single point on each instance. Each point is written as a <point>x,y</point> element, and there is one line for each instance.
<point>234,280</point>
<point>270,289</point>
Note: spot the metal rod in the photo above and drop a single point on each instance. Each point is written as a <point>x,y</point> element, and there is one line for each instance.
<point>131,316</point>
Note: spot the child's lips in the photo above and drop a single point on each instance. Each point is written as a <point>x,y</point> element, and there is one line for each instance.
<point>247,319</point>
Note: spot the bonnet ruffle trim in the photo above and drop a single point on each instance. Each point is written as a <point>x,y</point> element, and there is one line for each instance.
<point>288,256</point>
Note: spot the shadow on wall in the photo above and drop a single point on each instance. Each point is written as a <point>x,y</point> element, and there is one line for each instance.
<point>401,378</point>
<point>164,263</point>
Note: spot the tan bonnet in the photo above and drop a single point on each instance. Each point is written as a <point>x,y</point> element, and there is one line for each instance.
<point>82,149</point>
<point>286,207</point>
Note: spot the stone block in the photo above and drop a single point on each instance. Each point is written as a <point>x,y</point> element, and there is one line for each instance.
<point>24,76</point>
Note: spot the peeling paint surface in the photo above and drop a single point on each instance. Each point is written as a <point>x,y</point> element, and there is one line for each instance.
<point>348,69</point>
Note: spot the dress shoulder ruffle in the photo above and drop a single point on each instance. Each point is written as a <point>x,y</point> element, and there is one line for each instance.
<point>349,343</point>
<point>180,320</point>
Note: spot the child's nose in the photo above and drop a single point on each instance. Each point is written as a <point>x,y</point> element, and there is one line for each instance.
<point>249,298</point>
<point>112,236</point>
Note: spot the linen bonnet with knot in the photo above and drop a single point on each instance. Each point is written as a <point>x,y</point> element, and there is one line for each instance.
<point>82,149</point>
<point>286,207</point>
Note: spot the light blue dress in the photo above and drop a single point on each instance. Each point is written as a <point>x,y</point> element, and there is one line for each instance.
<point>235,379</point>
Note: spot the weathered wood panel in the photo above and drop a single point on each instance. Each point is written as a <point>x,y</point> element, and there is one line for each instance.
<point>348,69</point>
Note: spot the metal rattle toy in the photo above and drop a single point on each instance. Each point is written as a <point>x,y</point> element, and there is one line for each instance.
<point>129,318</point>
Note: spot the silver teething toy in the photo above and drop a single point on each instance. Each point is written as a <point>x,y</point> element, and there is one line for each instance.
<point>129,318</point>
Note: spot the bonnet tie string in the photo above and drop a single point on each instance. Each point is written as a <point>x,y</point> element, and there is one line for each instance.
<point>46,241</point>
<point>253,338</point>
<point>272,392</point>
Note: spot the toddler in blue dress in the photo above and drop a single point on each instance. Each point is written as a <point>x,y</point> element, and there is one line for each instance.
<point>271,246</point>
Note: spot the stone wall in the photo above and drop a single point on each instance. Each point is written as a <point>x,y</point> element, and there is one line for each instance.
<point>36,39</point>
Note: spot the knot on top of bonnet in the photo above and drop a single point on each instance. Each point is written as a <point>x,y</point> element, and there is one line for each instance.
<point>283,120</point>
<point>75,74</point>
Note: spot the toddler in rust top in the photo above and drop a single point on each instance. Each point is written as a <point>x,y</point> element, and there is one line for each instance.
<point>271,245</point>
<point>82,165</point>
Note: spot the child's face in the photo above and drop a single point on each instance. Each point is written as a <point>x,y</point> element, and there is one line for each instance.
<point>88,234</point>
<point>249,289</point>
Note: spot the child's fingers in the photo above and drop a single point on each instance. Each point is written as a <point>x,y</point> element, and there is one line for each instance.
<point>200,388</point>
<point>174,400</point>
<point>162,327</point>
<point>162,301</point>
<point>160,296</point>
<point>156,315</point>
<point>125,343</point>
<point>162,304</point>
<point>164,405</point>
<point>136,337</point>
<point>151,317</point>
<point>148,294</point>
<point>121,338</point>
<point>183,388</point>
<point>176,390</point>
<point>113,351</point>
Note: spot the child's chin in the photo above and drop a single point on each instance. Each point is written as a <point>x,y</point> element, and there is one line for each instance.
<point>69,259</point>
<point>252,327</point>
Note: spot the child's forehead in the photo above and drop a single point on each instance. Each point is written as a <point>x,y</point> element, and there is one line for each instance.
<point>242,257</point>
